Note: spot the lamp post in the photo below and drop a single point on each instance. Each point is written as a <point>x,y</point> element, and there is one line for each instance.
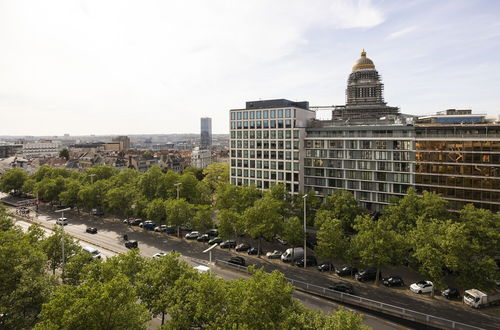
<point>62,239</point>
<point>177,185</point>
<point>305,234</point>
<point>92,208</point>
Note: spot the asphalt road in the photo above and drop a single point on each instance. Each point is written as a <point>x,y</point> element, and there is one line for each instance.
<point>109,243</point>
<point>110,238</point>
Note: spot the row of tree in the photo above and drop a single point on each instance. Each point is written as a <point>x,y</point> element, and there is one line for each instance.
<point>415,231</point>
<point>126,291</point>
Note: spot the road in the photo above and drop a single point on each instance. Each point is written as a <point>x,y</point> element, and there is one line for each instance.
<point>109,242</point>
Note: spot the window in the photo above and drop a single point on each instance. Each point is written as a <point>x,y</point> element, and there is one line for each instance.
<point>238,115</point>
<point>264,114</point>
<point>257,115</point>
<point>288,113</point>
<point>280,113</point>
<point>252,114</point>
<point>245,115</point>
<point>272,114</point>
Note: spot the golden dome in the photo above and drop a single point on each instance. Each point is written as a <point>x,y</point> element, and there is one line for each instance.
<point>363,62</point>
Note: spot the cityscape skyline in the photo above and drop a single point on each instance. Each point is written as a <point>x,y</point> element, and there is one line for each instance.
<point>82,68</point>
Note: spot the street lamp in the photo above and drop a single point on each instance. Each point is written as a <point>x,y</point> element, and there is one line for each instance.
<point>62,240</point>
<point>305,234</point>
<point>92,208</point>
<point>177,185</point>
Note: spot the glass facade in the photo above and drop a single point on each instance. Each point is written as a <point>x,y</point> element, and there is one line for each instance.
<point>461,163</point>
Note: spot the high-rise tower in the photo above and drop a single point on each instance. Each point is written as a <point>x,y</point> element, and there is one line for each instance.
<point>206,133</point>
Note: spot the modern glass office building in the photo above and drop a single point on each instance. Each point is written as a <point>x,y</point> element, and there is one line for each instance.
<point>206,133</point>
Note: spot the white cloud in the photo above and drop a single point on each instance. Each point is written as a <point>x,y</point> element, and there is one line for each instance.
<point>402,32</point>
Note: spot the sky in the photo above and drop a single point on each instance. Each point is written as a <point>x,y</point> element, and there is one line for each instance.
<point>156,67</point>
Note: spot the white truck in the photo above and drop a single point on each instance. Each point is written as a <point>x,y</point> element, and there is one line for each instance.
<point>477,299</point>
<point>298,253</point>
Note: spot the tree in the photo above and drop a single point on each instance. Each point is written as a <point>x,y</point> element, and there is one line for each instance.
<point>263,219</point>
<point>119,200</point>
<point>216,174</point>
<point>332,242</point>
<point>24,283</point>
<point>50,188</point>
<point>74,269</point>
<point>236,197</point>
<point>202,220</point>
<point>94,195</point>
<point>69,196</point>
<point>231,224</point>
<point>195,171</point>
<point>178,213</point>
<point>166,186</point>
<point>13,180</point>
<point>376,243</point>
<point>98,173</point>
<point>102,305</point>
<point>293,233</point>
<point>189,187</point>
<point>157,282</point>
<point>52,246</point>
<point>313,203</point>
<point>149,182</point>
<point>344,319</point>
<point>342,206</point>
<point>156,210</point>
<point>64,153</point>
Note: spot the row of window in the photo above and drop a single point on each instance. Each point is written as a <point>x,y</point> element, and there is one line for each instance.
<point>449,193</point>
<point>356,185</point>
<point>359,154</point>
<point>359,144</point>
<point>476,146</point>
<point>263,184</point>
<point>266,144</point>
<point>289,166</point>
<point>458,181</point>
<point>284,134</point>
<point>262,114</point>
<point>273,175</point>
<point>398,167</point>
<point>258,154</point>
<point>368,133</point>
<point>258,124</point>
<point>351,164</point>
<point>458,132</point>
<point>488,171</point>
<point>457,157</point>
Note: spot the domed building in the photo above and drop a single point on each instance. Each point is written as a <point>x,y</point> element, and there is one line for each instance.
<point>364,94</point>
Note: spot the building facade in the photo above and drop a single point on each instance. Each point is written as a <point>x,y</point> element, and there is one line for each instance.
<point>367,148</point>
<point>265,144</point>
<point>41,149</point>
<point>206,133</point>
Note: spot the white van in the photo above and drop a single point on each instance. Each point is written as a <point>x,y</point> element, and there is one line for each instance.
<point>298,253</point>
<point>62,221</point>
<point>96,254</point>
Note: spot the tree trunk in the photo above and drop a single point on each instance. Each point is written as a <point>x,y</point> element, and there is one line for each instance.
<point>162,318</point>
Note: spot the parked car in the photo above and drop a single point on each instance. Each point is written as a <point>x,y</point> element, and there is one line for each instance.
<point>451,293</point>
<point>216,240</point>
<point>212,233</point>
<point>237,261</point>
<point>93,252</point>
<point>368,274</point>
<point>346,271</point>
<point>281,240</point>
<point>131,244</point>
<point>422,287</point>
<point>97,211</point>
<point>148,224</point>
<point>342,287</point>
<point>393,280</point>
<point>242,247</point>
<point>91,230</point>
<point>159,255</point>
<point>171,230</point>
<point>161,228</point>
<point>326,267</point>
<point>274,255</point>
<point>62,221</point>
<point>203,238</point>
<point>228,244</point>
<point>186,227</point>
<point>254,251</point>
<point>311,261</point>
<point>134,222</point>
<point>192,235</point>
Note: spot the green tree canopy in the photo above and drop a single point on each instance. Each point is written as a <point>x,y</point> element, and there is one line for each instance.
<point>332,242</point>
<point>179,213</point>
<point>13,179</point>
<point>342,206</point>
<point>64,153</point>
<point>215,175</point>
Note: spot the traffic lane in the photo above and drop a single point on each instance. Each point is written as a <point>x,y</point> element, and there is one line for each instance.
<point>104,252</point>
<point>163,242</point>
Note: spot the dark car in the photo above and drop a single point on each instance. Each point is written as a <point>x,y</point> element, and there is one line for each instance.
<point>326,267</point>
<point>212,233</point>
<point>91,230</point>
<point>203,238</point>
<point>254,251</point>
<point>346,271</point>
<point>342,287</point>
<point>228,244</point>
<point>368,274</point>
<point>131,244</point>
<point>242,247</point>
<point>451,293</point>
<point>170,230</point>
<point>393,280</point>
<point>216,240</point>
<point>135,222</point>
<point>97,211</point>
<point>311,261</point>
<point>237,261</point>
